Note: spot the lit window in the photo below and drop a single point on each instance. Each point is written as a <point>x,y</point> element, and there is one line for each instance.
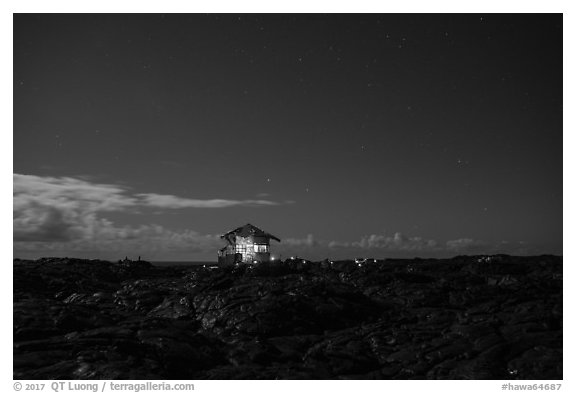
<point>260,247</point>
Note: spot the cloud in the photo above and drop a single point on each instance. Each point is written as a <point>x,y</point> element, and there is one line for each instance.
<point>152,241</point>
<point>64,209</point>
<point>66,192</point>
<point>396,242</point>
<point>64,215</point>
<point>174,202</point>
<point>308,241</point>
<point>41,223</point>
<point>61,209</point>
<point>402,244</point>
<point>464,244</point>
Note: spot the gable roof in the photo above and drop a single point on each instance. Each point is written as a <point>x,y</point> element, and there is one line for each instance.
<point>249,230</point>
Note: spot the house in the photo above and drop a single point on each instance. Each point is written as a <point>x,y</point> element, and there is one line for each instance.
<point>247,244</point>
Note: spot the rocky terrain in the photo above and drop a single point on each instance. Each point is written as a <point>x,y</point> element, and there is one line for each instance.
<point>476,317</point>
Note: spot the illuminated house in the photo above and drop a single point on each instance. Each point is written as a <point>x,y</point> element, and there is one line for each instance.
<point>246,244</point>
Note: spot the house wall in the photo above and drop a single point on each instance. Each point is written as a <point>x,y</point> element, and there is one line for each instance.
<point>262,256</point>
<point>228,259</point>
<point>250,255</point>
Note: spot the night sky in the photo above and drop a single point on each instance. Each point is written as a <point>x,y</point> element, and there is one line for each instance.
<point>345,135</point>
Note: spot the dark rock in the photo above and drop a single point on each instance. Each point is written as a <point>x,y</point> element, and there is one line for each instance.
<point>483,317</point>
<point>302,306</point>
<point>540,361</point>
<point>176,307</point>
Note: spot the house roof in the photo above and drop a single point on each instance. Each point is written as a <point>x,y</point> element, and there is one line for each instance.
<point>249,230</point>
